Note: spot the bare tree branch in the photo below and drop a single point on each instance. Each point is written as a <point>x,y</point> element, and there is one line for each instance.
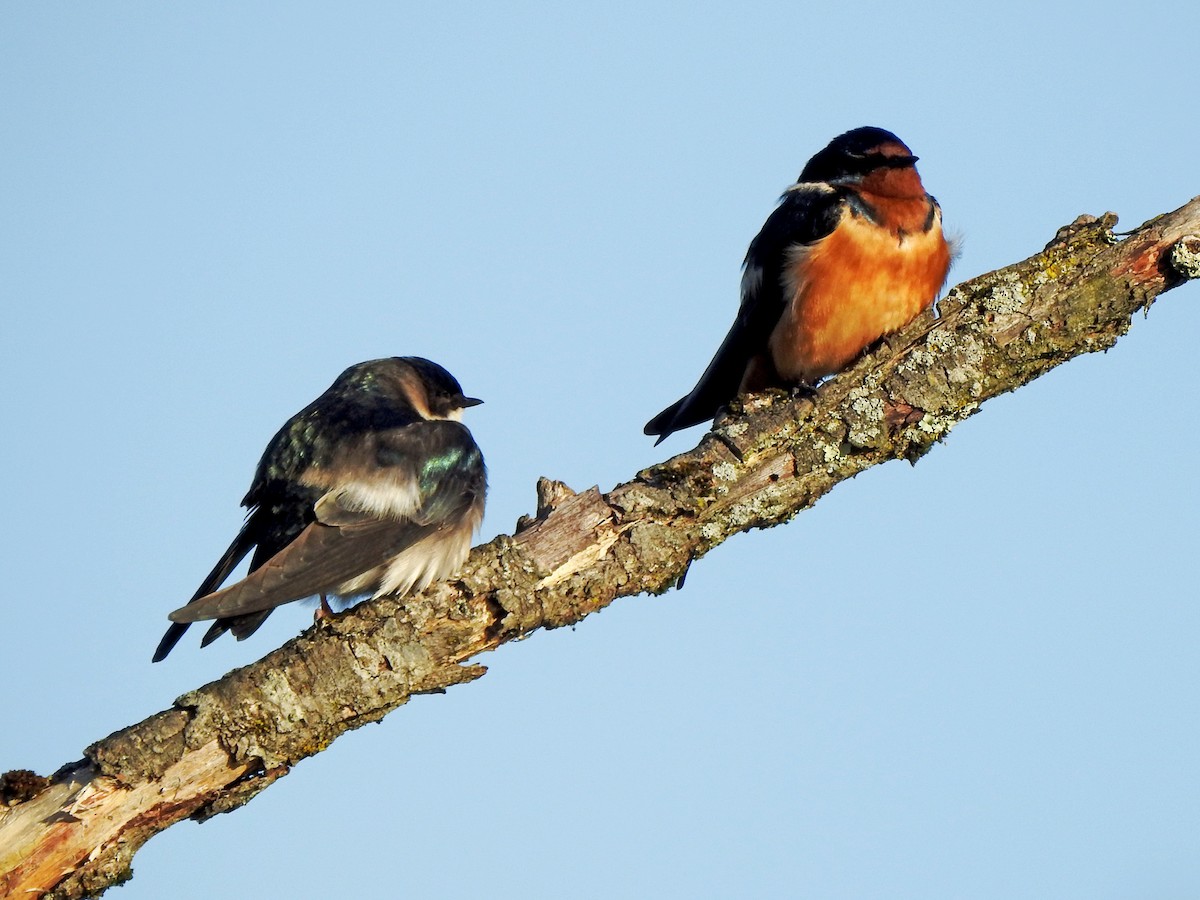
<point>74,834</point>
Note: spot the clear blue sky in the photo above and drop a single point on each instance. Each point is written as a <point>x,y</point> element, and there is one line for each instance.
<point>973,678</point>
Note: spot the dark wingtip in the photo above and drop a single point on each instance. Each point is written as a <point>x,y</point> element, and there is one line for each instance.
<point>655,428</point>
<point>217,629</point>
<point>168,642</point>
<point>662,424</point>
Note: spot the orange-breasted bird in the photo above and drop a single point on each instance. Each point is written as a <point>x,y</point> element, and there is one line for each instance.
<point>375,487</point>
<point>853,251</point>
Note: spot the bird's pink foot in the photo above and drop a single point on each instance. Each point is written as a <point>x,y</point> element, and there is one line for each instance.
<point>323,611</point>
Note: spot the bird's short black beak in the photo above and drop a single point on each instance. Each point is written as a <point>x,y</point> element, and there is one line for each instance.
<point>465,402</point>
<point>900,162</point>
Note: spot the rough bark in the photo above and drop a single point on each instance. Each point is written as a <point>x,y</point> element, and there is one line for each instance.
<point>73,834</point>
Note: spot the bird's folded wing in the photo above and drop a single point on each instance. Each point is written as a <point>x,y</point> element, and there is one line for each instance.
<point>384,494</point>
<point>320,559</point>
<point>807,214</point>
<point>444,465</point>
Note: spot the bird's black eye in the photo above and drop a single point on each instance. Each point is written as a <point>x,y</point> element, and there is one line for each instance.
<point>861,163</point>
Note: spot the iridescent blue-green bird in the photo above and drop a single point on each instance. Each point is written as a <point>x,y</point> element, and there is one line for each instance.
<point>374,488</point>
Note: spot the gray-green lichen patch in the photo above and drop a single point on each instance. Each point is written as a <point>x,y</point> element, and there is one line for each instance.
<point>147,749</point>
<point>1185,256</point>
<point>938,425</point>
<point>866,425</point>
<point>830,452</point>
<point>1008,307</point>
<point>940,340</point>
<point>762,507</point>
<point>1007,295</point>
<point>965,363</point>
<point>918,360</point>
<point>724,471</point>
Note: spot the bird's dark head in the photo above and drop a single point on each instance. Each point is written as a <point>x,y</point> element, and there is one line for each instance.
<point>434,392</point>
<point>861,154</point>
<point>410,381</point>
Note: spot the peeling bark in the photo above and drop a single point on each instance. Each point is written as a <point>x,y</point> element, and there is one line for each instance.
<point>772,456</point>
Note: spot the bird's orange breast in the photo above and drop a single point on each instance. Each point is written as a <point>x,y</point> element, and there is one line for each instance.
<point>849,289</point>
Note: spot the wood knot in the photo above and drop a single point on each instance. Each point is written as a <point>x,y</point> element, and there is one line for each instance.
<point>20,785</point>
<point>1104,224</point>
<point>899,414</point>
<point>551,494</point>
